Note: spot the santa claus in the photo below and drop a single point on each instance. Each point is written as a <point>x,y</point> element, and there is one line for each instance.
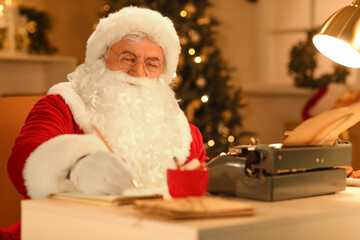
<point>122,88</point>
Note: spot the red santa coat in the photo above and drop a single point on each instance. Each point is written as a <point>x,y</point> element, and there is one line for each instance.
<point>49,126</point>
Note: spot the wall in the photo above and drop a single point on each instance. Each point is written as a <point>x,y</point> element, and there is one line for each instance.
<point>238,37</point>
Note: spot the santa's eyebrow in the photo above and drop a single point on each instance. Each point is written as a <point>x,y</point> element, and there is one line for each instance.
<point>128,52</point>
<point>149,58</point>
<point>153,58</point>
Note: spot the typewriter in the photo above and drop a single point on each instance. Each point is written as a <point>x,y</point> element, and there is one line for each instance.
<point>276,172</point>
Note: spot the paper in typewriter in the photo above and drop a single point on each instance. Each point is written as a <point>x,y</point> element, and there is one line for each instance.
<point>324,128</point>
<point>194,207</point>
<point>128,197</point>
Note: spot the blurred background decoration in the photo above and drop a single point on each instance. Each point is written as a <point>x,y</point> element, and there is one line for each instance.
<point>303,64</point>
<point>13,34</point>
<point>328,86</point>
<point>202,79</point>
<point>38,25</point>
<point>24,30</point>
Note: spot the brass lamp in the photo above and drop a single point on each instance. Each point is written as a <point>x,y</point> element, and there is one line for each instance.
<point>339,37</point>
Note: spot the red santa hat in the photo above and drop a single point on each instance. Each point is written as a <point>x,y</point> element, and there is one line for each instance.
<point>130,20</point>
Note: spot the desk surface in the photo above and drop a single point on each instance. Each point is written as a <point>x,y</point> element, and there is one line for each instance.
<point>333,216</point>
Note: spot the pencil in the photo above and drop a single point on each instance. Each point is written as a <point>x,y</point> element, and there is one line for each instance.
<point>133,182</point>
<point>178,166</point>
<point>102,138</point>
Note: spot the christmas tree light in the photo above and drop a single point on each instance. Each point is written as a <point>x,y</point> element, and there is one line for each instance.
<point>205,98</point>
<point>197,59</point>
<point>191,51</point>
<point>183,13</point>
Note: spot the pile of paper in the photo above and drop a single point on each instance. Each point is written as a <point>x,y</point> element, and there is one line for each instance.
<point>205,207</point>
<point>324,128</point>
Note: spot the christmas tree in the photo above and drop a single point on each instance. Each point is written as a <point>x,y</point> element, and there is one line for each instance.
<point>202,79</point>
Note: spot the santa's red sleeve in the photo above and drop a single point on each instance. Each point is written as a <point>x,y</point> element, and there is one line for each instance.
<point>48,145</point>
<point>197,146</point>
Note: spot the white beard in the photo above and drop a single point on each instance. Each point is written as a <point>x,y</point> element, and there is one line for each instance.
<point>139,117</point>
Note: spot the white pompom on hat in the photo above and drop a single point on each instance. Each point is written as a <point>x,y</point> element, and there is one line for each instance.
<point>130,20</point>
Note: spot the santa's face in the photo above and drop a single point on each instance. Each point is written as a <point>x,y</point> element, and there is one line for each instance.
<point>139,57</point>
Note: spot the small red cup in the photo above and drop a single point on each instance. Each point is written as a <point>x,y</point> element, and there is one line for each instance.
<point>187,183</point>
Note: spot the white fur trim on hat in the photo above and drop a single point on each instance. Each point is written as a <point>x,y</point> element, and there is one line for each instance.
<point>47,168</point>
<point>131,20</point>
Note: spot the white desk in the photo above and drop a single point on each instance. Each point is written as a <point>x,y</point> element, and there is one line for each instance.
<point>335,216</point>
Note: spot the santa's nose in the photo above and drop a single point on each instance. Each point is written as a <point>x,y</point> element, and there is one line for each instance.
<point>138,70</point>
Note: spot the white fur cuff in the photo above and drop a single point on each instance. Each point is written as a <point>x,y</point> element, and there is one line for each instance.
<point>46,169</point>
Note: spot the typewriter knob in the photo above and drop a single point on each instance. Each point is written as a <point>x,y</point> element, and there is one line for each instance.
<point>253,157</point>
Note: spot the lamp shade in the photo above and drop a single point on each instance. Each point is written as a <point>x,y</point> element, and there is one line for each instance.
<point>339,37</point>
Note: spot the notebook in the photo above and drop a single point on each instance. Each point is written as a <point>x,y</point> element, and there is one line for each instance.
<point>128,196</point>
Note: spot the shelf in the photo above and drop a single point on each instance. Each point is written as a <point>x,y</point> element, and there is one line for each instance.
<point>276,90</point>
<point>35,58</point>
<point>24,74</point>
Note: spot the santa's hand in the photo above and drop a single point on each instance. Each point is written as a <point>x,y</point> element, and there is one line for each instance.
<point>101,173</point>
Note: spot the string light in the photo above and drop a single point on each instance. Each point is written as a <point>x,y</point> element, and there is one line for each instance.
<point>8,2</point>
<point>222,154</point>
<point>31,27</point>
<point>183,13</point>
<point>205,98</point>
<point>1,8</point>
<point>211,143</point>
<point>22,31</point>
<point>203,21</point>
<point>106,7</point>
<point>191,51</point>
<point>197,59</point>
<point>231,138</point>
